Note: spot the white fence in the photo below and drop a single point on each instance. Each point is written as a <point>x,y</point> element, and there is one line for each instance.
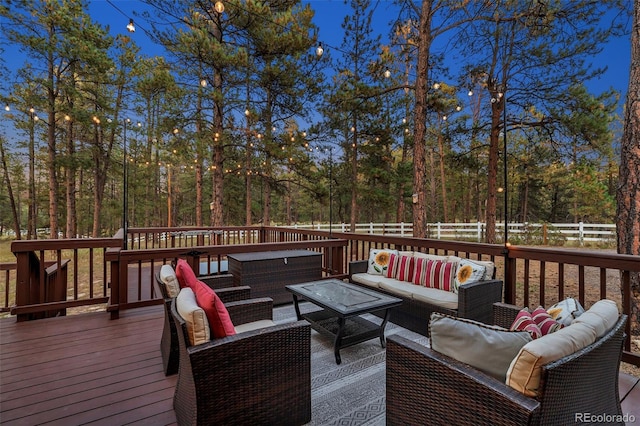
<point>541,233</point>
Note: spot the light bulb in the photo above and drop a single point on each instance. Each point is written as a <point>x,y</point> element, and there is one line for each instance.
<point>130,27</point>
<point>219,7</point>
<point>319,50</point>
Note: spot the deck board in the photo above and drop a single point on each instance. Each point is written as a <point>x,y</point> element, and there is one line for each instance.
<point>85,369</point>
<point>89,369</point>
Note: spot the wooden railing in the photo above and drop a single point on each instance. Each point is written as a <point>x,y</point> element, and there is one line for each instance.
<point>45,268</point>
<point>533,275</point>
<point>139,265</point>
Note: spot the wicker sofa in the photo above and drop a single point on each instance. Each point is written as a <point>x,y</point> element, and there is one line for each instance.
<point>167,283</point>
<point>427,387</point>
<point>261,375</point>
<point>473,300</point>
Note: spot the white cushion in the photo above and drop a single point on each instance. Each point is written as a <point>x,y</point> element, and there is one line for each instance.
<point>379,261</point>
<point>168,277</point>
<point>602,316</point>
<point>400,288</point>
<point>421,255</point>
<point>565,311</point>
<point>366,279</point>
<point>488,348</point>
<point>526,368</point>
<point>468,271</point>
<point>197,325</point>
<point>434,296</point>
<point>255,325</point>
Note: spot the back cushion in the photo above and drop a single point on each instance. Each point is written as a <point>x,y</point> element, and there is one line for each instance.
<point>488,348</point>
<point>196,320</point>
<point>186,276</point>
<point>526,368</point>
<point>170,281</point>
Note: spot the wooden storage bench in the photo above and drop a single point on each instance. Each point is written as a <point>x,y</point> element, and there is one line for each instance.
<point>267,273</point>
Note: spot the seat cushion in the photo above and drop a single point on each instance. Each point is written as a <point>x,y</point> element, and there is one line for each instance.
<point>366,279</point>
<point>255,325</point>
<point>184,273</point>
<point>170,280</point>
<point>488,348</point>
<point>217,314</point>
<point>433,296</point>
<point>198,331</point>
<point>399,288</point>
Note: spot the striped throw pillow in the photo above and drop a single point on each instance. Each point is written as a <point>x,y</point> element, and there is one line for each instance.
<point>434,273</point>
<point>392,268</point>
<point>544,321</point>
<point>524,322</point>
<point>404,268</point>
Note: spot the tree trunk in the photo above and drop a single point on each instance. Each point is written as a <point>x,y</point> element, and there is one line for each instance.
<point>443,178</point>
<point>492,179</point>
<point>354,178</point>
<point>14,210</point>
<point>31,220</point>
<point>70,176</point>
<point>628,193</point>
<point>424,46</point>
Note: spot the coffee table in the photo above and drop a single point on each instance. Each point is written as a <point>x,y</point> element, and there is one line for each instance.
<point>342,304</point>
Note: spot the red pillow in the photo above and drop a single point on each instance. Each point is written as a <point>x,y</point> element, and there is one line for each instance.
<point>217,314</point>
<point>544,321</point>
<point>404,268</point>
<point>186,276</point>
<point>393,266</point>
<point>434,273</point>
<point>524,322</point>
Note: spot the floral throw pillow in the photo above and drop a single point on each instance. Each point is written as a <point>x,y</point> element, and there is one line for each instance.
<point>379,260</point>
<point>468,272</point>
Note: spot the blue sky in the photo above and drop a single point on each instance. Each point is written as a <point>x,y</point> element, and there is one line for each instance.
<point>329,17</point>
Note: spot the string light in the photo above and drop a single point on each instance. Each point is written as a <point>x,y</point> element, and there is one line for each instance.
<point>319,50</point>
<point>130,27</point>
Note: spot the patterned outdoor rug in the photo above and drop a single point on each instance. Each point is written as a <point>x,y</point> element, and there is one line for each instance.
<point>352,393</point>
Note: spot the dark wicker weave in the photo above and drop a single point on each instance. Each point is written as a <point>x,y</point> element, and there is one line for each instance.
<point>475,301</point>
<point>268,272</point>
<point>426,387</point>
<point>252,378</point>
<point>169,340</point>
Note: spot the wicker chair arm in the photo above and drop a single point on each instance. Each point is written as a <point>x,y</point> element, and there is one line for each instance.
<point>358,267</point>
<point>259,374</point>
<point>504,314</point>
<point>234,294</point>
<point>476,299</point>
<point>217,281</point>
<point>244,311</point>
<point>426,387</point>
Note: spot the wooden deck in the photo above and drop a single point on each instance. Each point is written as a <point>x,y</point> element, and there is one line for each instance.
<point>89,369</point>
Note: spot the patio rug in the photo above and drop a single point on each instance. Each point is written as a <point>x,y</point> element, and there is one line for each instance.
<point>352,393</point>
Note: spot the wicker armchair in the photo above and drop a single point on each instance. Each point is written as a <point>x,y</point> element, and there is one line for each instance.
<point>223,285</point>
<point>255,377</point>
<point>426,387</point>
